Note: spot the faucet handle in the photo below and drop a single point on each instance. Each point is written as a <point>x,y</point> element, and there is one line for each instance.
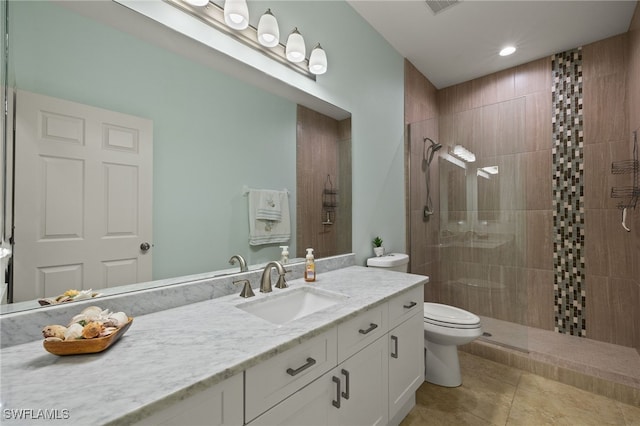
<point>247,291</point>
<point>282,283</point>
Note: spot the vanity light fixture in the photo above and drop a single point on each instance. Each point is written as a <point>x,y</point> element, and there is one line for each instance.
<point>508,50</point>
<point>264,39</point>
<point>463,153</point>
<point>318,60</point>
<point>236,14</point>
<point>295,49</point>
<point>268,32</point>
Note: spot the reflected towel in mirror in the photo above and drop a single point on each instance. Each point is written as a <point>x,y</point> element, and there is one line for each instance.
<point>269,205</point>
<point>263,231</point>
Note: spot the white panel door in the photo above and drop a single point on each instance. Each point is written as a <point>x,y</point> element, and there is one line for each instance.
<point>83,191</point>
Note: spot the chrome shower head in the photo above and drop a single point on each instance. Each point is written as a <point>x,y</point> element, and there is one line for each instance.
<point>433,148</point>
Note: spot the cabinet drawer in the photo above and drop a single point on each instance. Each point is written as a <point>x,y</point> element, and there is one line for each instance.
<point>403,306</point>
<point>271,381</point>
<point>358,332</point>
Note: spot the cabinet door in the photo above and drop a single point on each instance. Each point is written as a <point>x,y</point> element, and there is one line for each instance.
<point>309,406</point>
<point>406,361</point>
<point>364,382</point>
<point>220,404</point>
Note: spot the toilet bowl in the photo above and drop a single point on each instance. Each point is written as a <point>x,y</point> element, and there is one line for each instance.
<point>446,327</point>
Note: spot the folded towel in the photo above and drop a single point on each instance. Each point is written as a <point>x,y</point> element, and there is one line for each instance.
<point>263,231</point>
<point>269,205</point>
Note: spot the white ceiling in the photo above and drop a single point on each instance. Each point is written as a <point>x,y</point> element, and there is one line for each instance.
<point>462,42</point>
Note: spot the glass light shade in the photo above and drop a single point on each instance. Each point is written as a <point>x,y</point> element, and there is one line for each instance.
<point>268,32</point>
<point>318,60</point>
<point>236,14</point>
<point>295,49</point>
<point>197,2</point>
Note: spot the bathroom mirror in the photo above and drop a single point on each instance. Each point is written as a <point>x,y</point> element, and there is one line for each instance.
<point>214,136</point>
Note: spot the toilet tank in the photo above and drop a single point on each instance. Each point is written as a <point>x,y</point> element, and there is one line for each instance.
<point>392,261</point>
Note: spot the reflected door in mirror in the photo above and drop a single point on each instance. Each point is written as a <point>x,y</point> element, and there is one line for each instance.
<point>83,190</point>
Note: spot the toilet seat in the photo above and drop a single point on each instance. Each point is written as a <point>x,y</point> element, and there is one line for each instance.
<point>449,316</point>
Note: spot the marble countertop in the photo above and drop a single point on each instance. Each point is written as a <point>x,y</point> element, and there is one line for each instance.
<point>168,355</point>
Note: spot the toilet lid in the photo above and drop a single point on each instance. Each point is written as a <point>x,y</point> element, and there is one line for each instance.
<point>449,314</point>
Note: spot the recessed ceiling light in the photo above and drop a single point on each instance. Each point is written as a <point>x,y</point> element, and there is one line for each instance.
<point>507,51</point>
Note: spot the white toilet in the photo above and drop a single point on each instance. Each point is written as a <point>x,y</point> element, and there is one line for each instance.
<point>392,261</point>
<point>445,327</point>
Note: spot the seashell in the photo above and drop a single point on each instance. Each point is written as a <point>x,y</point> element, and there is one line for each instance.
<point>119,319</point>
<point>91,330</point>
<point>92,312</point>
<point>53,339</point>
<point>71,293</point>
<point>107,331</point>
<point>73,332</point>
<point>54,331</point>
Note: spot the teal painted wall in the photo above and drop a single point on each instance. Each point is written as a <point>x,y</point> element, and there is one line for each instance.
<point>197,175</point>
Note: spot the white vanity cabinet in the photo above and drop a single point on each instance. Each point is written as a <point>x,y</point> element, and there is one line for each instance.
<point>220,404</point>
<point>378,371</point>
<point>354,393</point>
<point>406,351</point>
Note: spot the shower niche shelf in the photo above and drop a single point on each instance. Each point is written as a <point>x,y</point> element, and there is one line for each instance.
<point>630,194</point>
<point>329,201</point>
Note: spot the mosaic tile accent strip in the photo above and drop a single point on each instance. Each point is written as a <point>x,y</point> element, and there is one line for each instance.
<point>568,193</point>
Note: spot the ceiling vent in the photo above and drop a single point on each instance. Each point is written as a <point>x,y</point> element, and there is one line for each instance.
<point>438,6</point>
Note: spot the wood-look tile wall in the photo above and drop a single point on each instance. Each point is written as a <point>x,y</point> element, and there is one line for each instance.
<point>612,110</point>
<point>612,113</point>
<point>323,149</point>
<point>633,87</point>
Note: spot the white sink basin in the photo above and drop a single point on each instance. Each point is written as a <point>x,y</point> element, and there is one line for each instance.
<point>291,304</point>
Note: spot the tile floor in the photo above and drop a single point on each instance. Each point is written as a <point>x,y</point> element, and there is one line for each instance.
<point>496,394</point>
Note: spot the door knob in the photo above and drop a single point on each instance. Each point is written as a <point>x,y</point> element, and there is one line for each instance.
<point>145,246</point>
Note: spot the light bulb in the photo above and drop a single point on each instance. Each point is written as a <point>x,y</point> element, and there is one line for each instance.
<point>268,32</point>
<point>295,49</point>
<point>236,14</point>
<point>318,60</point>
<point>197,2</point>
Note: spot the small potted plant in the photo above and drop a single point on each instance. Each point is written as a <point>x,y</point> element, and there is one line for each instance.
<point>378,249</point>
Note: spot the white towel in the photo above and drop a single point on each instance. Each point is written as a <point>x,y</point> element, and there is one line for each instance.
<point>269,231</point>
<point>269,205</point>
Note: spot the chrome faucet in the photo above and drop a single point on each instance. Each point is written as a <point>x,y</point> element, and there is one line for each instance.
<point>265,281</point>
<point>240,259</point>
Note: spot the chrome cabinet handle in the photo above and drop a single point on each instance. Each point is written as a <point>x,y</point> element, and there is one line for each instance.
<point>372,327</point>
<point>336,402</point>
<point>394,354</point>
<point>345,394</point>
<point>410,305</point>
<point>309,363</point>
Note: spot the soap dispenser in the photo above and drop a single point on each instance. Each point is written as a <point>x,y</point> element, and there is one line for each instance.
<point>309,267</point>
<point>284,257</point>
